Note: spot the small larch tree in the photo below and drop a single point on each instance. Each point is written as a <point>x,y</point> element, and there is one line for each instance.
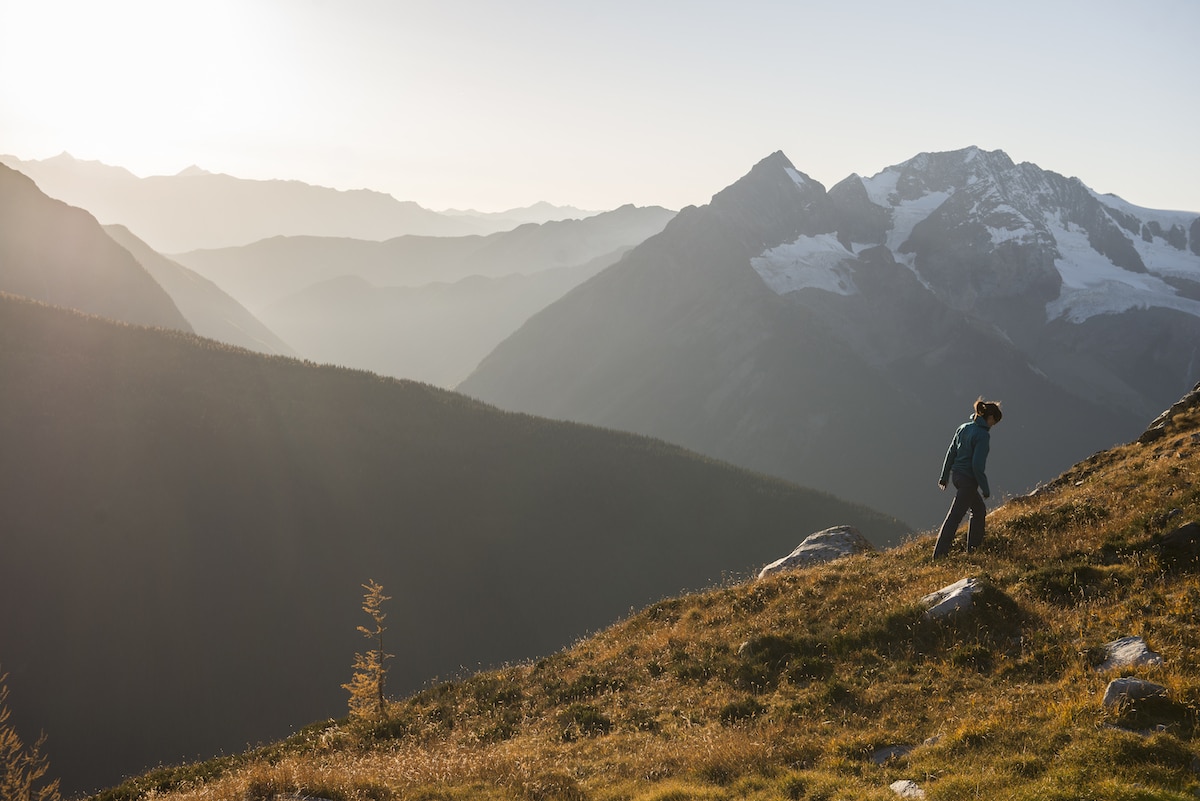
<point>23,768</point>
<point>366,687</point>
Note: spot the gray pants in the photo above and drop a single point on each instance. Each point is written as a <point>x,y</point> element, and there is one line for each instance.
<point>967,499</point>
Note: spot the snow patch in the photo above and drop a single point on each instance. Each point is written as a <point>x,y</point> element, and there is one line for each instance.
<point>1024,233</point>
<point>880,188</point>
<point>1159,256</point>
<point>1164,218</point>
<point>796,177</point>
<point>907,214</point>
<point>1163,258</point>
<point>1093,285</point>
<point>810,261</point>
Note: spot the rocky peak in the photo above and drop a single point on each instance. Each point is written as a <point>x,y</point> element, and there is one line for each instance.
<point>948,172</point>
<point>858,219</point>
<point>774,203</point>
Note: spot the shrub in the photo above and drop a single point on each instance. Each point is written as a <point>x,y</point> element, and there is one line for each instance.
<point>584,720</point>
<point>23,768</point>
<point>743,709</point>
<point>370,671</point>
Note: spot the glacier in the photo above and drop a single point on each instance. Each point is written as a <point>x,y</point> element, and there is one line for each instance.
<point>809,261</point>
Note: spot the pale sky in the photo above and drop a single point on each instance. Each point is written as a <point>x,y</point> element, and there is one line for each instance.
<point>493,104</point>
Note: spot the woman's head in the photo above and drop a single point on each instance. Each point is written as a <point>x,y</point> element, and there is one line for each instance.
<point>988,410</point>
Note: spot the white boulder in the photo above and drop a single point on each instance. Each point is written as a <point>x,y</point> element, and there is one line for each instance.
<point>907,789</point>
<point>823,546</point>
<point>1128,652</point>
<point>1130,689</point>
<point>952,598</point>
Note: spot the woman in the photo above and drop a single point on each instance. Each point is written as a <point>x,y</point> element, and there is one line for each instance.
<point>966,461</point>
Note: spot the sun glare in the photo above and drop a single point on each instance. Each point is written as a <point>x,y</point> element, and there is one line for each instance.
<point>130,79</point>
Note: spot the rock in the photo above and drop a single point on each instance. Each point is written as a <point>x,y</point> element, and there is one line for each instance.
<point>823,546</point>
<point>1124,690</point>
<point>1158,428</point>
<point>1128,652</point>
<point>1185,539</point>
<point>950,599</point>
<point>907,789</point>
<point>882,755</point>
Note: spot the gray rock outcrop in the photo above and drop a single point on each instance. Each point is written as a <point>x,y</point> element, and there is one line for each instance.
<point>823,546</point>
<point>1158,428</point>
<point>1127,690</point>
<point>951,598</point>
<point>1128,652</point>
<point>1182,541</point>
<point>907,789</point>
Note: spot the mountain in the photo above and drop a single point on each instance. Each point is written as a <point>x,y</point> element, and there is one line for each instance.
<point>210,311</point>
<point>436,333</point>
<point>187,525</point>
<point>541,212</point>
<point>268,271</point>
<point>59,254</point>
<point>1064,669</point>
<point>199,209</point>
<point>837,337</point>
<point>419,307</point>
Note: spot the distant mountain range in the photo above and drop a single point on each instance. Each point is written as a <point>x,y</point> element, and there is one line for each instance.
<point>186,527</point>
<point>199,209</point>
<point>426,308</point>
<point>837,337</point>
<point>61,255</point>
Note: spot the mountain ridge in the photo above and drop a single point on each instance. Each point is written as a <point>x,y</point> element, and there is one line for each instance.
<point>427,308</point>
<point>798,357</point>
<point>210,311</point>
<point>196,208</point>
<point>59,254</point>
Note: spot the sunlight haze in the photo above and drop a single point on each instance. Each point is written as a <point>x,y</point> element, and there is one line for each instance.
<point>493,106</point>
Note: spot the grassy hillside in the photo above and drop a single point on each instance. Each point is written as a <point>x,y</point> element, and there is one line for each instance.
<point>790,687</point>
<point>186,526</point>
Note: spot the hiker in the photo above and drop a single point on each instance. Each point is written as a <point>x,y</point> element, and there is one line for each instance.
<point>966,461</point>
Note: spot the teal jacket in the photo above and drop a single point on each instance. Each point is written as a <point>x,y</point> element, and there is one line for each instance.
<point>968,453</point>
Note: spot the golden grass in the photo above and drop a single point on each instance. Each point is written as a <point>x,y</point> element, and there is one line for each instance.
<point>838,663</point>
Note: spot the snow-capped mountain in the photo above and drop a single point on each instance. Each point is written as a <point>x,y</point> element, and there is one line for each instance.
<point>1039,256</point>
<point>836,337</point>
<point>975,228</point>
